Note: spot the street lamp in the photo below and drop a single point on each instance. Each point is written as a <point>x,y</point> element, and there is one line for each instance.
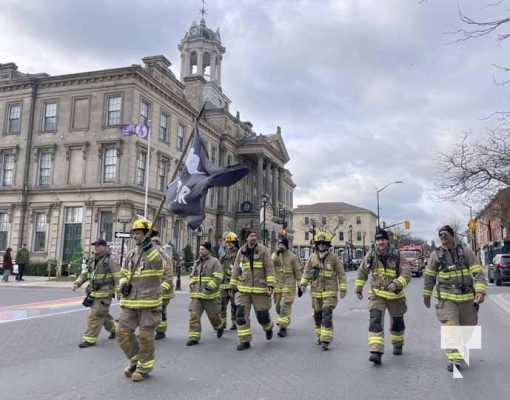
<point>264,202</point>
<point>349,252</point>
<point>364,235</point>
<point>379,191</point>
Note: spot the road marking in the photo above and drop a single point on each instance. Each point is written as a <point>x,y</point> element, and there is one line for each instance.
<point>502,301</point>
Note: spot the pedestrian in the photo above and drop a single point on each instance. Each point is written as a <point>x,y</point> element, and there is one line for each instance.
<point>288,275</point>
<point>205,279</point>
<point>22,259</point>
<point>102,273</point>
<point>460,285</point>
<point>227,263</point>
<point>167,290</point>
<point>326,275</point>
<point>389,275</point>
<point>140,287</point>
<point>7,264</point>
<point>253,283</point>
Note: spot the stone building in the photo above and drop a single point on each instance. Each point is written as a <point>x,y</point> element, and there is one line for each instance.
<point>67,176</point>
<point>352,228</point>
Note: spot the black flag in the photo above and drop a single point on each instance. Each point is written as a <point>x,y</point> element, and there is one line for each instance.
<point>187,194</point>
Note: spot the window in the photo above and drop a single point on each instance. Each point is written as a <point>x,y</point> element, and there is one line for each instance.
<point>110,165</point>
<point>106,226</point>
<point>13,118</point>
<point>163,127</point>
<point>44,168</point>
<point>180,136</point>
<point>40,232</point>
<point>74,215</point>
<point>358,236</point>
<point>307,235</point>
<point>324,221</point>
<point>144,113</point>
<point>340,220</point>
<point>141,161</point>
<point>358,220</point>
<point>114,111</point>
<point>50,117</point>
<point>7,170</point>
<point>3,231</point>
<point>213,154</point>
<point>307,220</point>
<point>162,168</point>
<point>340,236</point>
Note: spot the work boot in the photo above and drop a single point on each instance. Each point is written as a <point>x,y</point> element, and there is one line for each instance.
<point>325,346</point>
<point>233,327</point>
<point>375,357</point>
<point>191,342</point>
<point>85,344</point>
<point>139,376</point>
<point>113,335</point>
<point>397,350</point>
<point>450,366</point>
<point>219,333</point>
<point>160,335</point>
<point>282,332</point>
<point>319,342</point>
<point>243,346</point>
<point>269,334</point>
<point>129,370</point>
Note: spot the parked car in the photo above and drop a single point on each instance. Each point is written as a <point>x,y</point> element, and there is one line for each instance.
<point>499,269</point>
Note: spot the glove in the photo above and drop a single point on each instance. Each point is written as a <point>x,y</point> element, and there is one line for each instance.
<point>125,288</point>
<point>360,295</point>
<point>232,292</point>
<point>270,290</point>
<point>75,286</point>
<point>146,244</point>
<point>299,291</point>
<point>392,287</point>
<point>426,301</point>
<point>118,295</point>
<point>342,294</point>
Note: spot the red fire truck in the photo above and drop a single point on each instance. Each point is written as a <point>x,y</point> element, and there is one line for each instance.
<point>413,253</point>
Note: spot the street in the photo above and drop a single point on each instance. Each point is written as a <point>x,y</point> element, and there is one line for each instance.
<point>40,358</point>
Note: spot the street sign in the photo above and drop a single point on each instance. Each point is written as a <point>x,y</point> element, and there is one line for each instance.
<point>124,220</point>
<point>122,235</point>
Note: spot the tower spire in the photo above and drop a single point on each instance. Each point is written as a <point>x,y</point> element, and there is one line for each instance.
<point>203,11</point>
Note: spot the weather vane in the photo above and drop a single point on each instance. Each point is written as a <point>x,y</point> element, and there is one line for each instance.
<point>203,11</point>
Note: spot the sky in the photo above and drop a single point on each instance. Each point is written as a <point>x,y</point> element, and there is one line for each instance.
<point>366,92</point>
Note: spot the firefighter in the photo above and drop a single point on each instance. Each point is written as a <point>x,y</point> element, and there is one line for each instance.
<point>103,273</point>
<point>167,289</point>
<point>140,286</point>
<point>326,275</point>
<point>390,274</point>
<point>253,284</point>
<point>288,275</point>
<point>460,285</point>
<point>227,262</point>
<point>205,280</point>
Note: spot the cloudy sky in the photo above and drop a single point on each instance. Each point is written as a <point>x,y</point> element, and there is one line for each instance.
<point>366,91</point>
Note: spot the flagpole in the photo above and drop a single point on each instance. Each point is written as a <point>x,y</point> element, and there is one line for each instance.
<point>147,171</point>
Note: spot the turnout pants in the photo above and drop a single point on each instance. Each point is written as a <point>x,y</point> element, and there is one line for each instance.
<point>139,351</point>
<point>99,316</point>
<point>451,313</point>
<point>377,307</point>
<point>225,299</point>
<point>162,327</point>
<point>283,304</point>
<point>261,304</point>
<point>196,308</point>
<point>323,317</point>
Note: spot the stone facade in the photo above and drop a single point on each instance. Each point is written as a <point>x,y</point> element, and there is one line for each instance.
<point>67,176</point>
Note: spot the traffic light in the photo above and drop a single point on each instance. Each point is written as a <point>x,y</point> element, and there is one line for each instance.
<point>384,224</point>
<point>472,225</point>
<point>407,224</point>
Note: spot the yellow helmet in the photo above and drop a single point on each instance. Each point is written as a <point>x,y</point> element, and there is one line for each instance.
<point>231,237</point>
<point>145,225</point>
<point>322,237</point>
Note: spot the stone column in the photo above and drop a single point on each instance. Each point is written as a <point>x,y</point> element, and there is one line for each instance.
<point>200,63</point>
<point>268,177</point>
<point>281,196</point>
<point>213,68</point>
<point>275,187</point>
<point>260,170</point>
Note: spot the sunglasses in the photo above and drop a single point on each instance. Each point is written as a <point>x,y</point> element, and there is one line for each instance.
<point>441,235</point>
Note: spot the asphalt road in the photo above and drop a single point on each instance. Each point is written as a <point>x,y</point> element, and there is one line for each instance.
<point>40,359</point>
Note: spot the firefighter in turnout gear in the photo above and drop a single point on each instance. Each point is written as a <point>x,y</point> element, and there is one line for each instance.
<point>167,289</point>
<point>253,282</point>
<point>460,285</point>
<point>140,286</point>
<point>326,275</point>
<point>288,275</point>
<point>103,273</point>
<point>227,262</point>
<point>390,274</point>
<point>205,280</point>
